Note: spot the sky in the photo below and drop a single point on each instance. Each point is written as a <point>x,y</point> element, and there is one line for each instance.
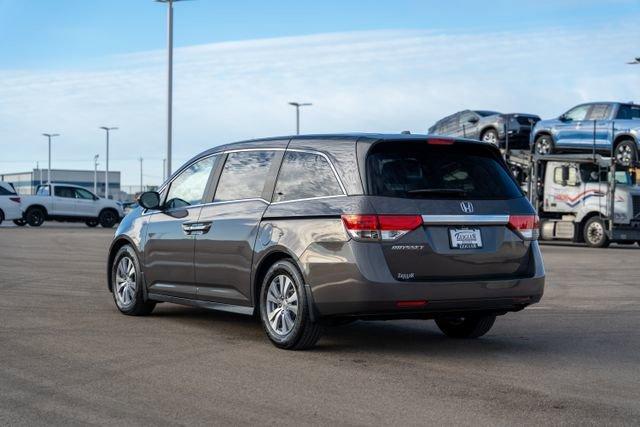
<point>71,66</point>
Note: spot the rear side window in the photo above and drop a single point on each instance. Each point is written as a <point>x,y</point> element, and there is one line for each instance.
<point>244,175</point>
<point>303,176</point>
<point>422,171</point>
<point>628,112</point>
<point>66,192</point>
<point>599,112</point>
<point>188,188</point>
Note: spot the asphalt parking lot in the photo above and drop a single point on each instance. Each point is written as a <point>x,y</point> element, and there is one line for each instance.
<point>68,357</point>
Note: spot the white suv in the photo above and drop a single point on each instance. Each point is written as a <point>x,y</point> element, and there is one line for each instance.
<point>9,203</point>
<point>66,202</point>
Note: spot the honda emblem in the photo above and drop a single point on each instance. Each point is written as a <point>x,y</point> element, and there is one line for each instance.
<point>467,207</point>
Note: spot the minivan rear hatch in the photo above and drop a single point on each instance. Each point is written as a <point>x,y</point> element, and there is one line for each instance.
<point>465,217</point>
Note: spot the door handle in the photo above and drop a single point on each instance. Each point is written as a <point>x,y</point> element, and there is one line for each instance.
<point>195,228</point>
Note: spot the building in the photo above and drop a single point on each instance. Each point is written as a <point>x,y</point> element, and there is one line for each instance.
<point>27,182</point>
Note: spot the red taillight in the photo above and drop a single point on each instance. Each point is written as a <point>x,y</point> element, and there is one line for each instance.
<point>440,141</point>
<point>411,304</point>
<point>15,199</point>
<point>380,227</point>
<point>526,225</point>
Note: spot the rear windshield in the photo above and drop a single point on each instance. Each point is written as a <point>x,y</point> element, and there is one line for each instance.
<point>422,171</point>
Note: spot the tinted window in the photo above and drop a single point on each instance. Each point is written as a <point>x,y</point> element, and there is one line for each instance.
<point>486,113</point>
<point>419,170</point>
<point>578,113</point>
<point>5,192</point>
<point>628,112</point>
<point>599,112</point>
<point>67,192</point>
<point>305,175</point>
<point>81,193</point>
<point>244,175</point>
<point>188,187</point>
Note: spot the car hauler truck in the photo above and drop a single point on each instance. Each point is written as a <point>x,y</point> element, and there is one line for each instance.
<point>581,197</point>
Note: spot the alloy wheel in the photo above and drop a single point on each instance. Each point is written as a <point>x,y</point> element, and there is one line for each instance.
<point>490,137</point>
<point>543,146</point>
<point>126,285</point>
<point>624,154</point>
<point>282,305</point>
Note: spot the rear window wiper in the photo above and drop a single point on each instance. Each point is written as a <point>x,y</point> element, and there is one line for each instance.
<point>455,191</point>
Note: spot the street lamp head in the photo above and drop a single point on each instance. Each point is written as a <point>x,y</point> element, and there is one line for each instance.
<point>300,104</point>
<point>108,128</point>
<point>50,135</point>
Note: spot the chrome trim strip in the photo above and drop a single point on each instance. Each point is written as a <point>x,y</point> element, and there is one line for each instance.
<point>309,198</point>
<point>297,150</point>
<point>466,219</point>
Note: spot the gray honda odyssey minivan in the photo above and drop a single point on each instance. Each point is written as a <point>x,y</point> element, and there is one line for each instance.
<point>309,231</point>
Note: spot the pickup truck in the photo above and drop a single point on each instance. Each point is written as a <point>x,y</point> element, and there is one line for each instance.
<point>70,203</point>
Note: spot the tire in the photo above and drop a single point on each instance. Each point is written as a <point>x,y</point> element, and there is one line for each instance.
<point>283,299</point>
<point>92,223</point>
<point>20,222</point>
<point>543,145</point>
<point>1,217</point>
<point>126,284</point>
<point>108,218</point>
<point>594,233</point>
<point>35,217</point>
<point>465,327</point>
<point>626,153</point>
<point>490,136</point>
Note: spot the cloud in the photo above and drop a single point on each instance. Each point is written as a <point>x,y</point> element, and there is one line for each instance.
<point>385,81</point>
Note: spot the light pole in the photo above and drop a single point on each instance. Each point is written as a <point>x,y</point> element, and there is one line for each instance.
<point>106,172</point>
<point>164,169</point>
<point>141,159</point>
<point>298,105</point>
<point>635,61</point>
<point>49,136</point>
<point>169,78</point>
<point>95,174</point>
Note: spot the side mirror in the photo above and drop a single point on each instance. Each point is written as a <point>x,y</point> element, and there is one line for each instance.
<point>96,197</point>
<point>564,118</point>
<point>149,200</point>
<point>473,120</point>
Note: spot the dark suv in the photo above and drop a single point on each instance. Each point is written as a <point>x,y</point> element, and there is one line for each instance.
<point>488,126</point>
<point>309,231</point>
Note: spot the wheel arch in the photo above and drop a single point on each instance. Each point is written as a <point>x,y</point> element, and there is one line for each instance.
<point>2,217</point>
<point>625,137</point>
<point>544,133</point>
<point>116,245</point>
<point>582,222</point>
<point>260,270</point>
<point>39,206</point>
<point>108,208</point>
<point>488,128</point>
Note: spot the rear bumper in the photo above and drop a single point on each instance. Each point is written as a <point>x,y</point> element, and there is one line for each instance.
<point>367,289</point>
